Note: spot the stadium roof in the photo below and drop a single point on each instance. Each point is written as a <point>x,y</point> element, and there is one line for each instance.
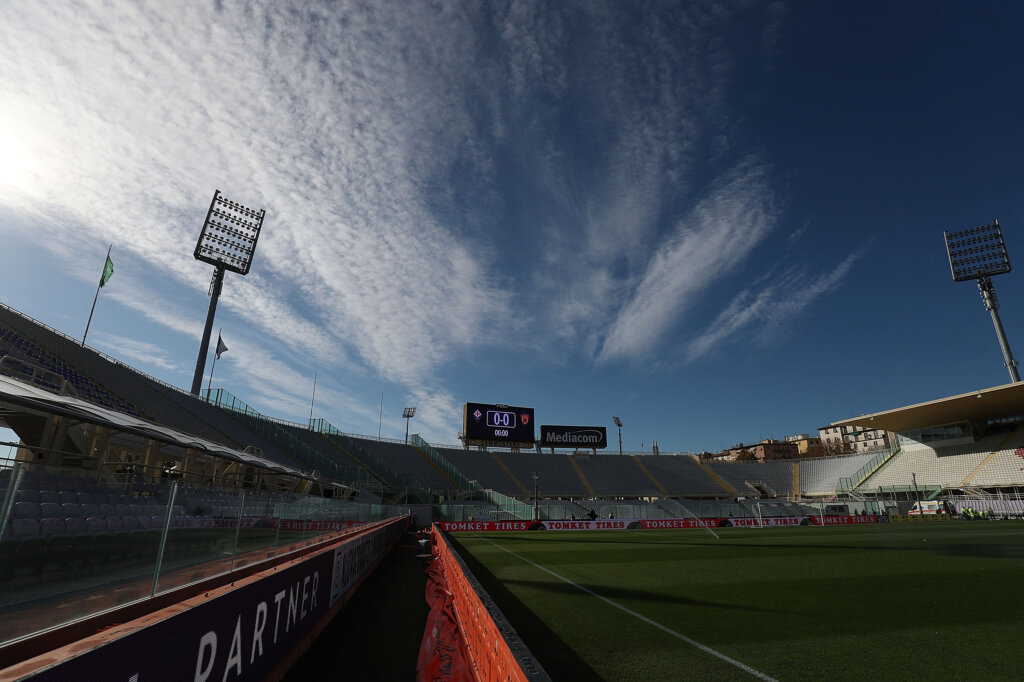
<point>986,403</point>
<point>19,396</point>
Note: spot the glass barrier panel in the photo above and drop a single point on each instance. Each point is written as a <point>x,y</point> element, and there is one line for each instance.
<point>202,536</point>
<point>71,547</point>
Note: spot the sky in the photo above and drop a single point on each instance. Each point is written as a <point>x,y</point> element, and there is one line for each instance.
<point>720,222</point>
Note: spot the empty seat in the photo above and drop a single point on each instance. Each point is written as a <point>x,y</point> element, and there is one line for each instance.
<point>23,510</point>
<point>75,526</point>
<point>68,496</point>
<point>71,510</point>
<point>23,529</point>
<point>26,495</point>
<point>49,496</point>
<point>50,527</point>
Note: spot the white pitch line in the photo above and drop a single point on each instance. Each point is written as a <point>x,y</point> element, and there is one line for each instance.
<point>703,647</point>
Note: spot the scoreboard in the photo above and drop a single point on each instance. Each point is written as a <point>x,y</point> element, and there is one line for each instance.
<point>497,424</point>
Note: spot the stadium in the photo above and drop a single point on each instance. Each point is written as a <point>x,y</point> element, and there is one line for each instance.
<point>716,220</point>
<point>139,518</point>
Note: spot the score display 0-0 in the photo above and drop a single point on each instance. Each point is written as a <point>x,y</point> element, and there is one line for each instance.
<point>498,423</point>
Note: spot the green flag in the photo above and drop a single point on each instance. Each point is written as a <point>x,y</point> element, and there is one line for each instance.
<point>108,271</point>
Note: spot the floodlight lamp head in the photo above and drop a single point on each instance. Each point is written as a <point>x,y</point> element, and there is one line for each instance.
<point>229,235</point>
<point>409,413</point>
<point>977,253</point>
<point>617,421</point>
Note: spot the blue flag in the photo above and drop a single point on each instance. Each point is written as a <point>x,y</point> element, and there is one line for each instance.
<point>221,348</point>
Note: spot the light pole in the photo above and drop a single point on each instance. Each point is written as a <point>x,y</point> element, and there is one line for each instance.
<point>618,423</point>
<point>227,242</point>
<point>980,253</point>
<point>407,414</point>
<point>536,511</point>
<point>917,494</point>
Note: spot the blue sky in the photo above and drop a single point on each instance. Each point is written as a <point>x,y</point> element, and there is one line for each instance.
<point>719,221</point>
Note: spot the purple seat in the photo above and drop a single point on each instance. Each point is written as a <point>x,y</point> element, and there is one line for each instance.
<point>51,510</point>
<point>71,509</point>
<point>24,529</point>
<point>49,527</point>
<point>95,524</point>
<point>24,495</point>
<point>76,526</point>
<point>23,510</point>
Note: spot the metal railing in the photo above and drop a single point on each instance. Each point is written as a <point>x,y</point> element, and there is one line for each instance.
<point>848,483</point>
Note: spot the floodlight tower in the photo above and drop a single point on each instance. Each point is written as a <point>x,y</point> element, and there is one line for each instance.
<point>536,496</point>
<point>618,423</point>
<point>980,253</point>
<point>227,242</point>
<point>407,414</point>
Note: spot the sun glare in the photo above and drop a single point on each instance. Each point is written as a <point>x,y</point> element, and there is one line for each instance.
<point>14,159</point>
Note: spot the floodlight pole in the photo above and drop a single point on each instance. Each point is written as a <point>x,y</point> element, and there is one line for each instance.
<point>536,511</point>
<point>407,414</point>
<point>979,253</point>
<point>204,346</point>
<point>988,295</point>
<point>618,423</point>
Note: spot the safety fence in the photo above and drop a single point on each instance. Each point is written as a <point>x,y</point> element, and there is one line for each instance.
<point>249,627</point>
<point>467,638</point>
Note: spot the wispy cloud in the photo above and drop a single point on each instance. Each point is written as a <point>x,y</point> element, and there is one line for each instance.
<point>340,130</point>
<point>762,314</point>
<point>138,351</point>
<point>708,244</point>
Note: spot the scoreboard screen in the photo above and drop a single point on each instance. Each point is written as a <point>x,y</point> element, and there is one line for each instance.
<point>498,424</point>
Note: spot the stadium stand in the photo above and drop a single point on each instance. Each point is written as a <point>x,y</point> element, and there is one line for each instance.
<point>821,475</point>
<point>758,479</point>
<point>488,469</point>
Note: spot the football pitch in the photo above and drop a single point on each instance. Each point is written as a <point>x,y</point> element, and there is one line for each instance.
<point>892,601</point>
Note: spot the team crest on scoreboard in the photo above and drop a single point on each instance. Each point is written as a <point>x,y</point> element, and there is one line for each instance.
<point>524,418</point>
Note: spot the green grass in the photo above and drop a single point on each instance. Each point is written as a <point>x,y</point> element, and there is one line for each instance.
<point>900,601</point>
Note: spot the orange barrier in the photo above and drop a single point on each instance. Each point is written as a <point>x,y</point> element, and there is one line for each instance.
<point>463,639</point>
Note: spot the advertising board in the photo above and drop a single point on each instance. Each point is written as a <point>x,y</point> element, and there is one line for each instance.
<point>573,436</point>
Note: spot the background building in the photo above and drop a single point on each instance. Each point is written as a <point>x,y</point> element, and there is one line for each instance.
<point>840,439</point>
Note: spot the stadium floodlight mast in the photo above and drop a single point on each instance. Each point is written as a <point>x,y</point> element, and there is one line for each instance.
<point>227,242</point>
<point>407,414</point>
<point>618,423</point>
<point>980,253</point>
<point>536,496</point>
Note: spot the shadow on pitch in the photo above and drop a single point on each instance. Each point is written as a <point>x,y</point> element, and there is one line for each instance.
<point>557,658</point>
<point>621,594</point>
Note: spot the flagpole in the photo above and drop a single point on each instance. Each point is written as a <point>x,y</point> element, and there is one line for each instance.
<point>380,420</point>
<point>96,297</point>
<point>210,383</point>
